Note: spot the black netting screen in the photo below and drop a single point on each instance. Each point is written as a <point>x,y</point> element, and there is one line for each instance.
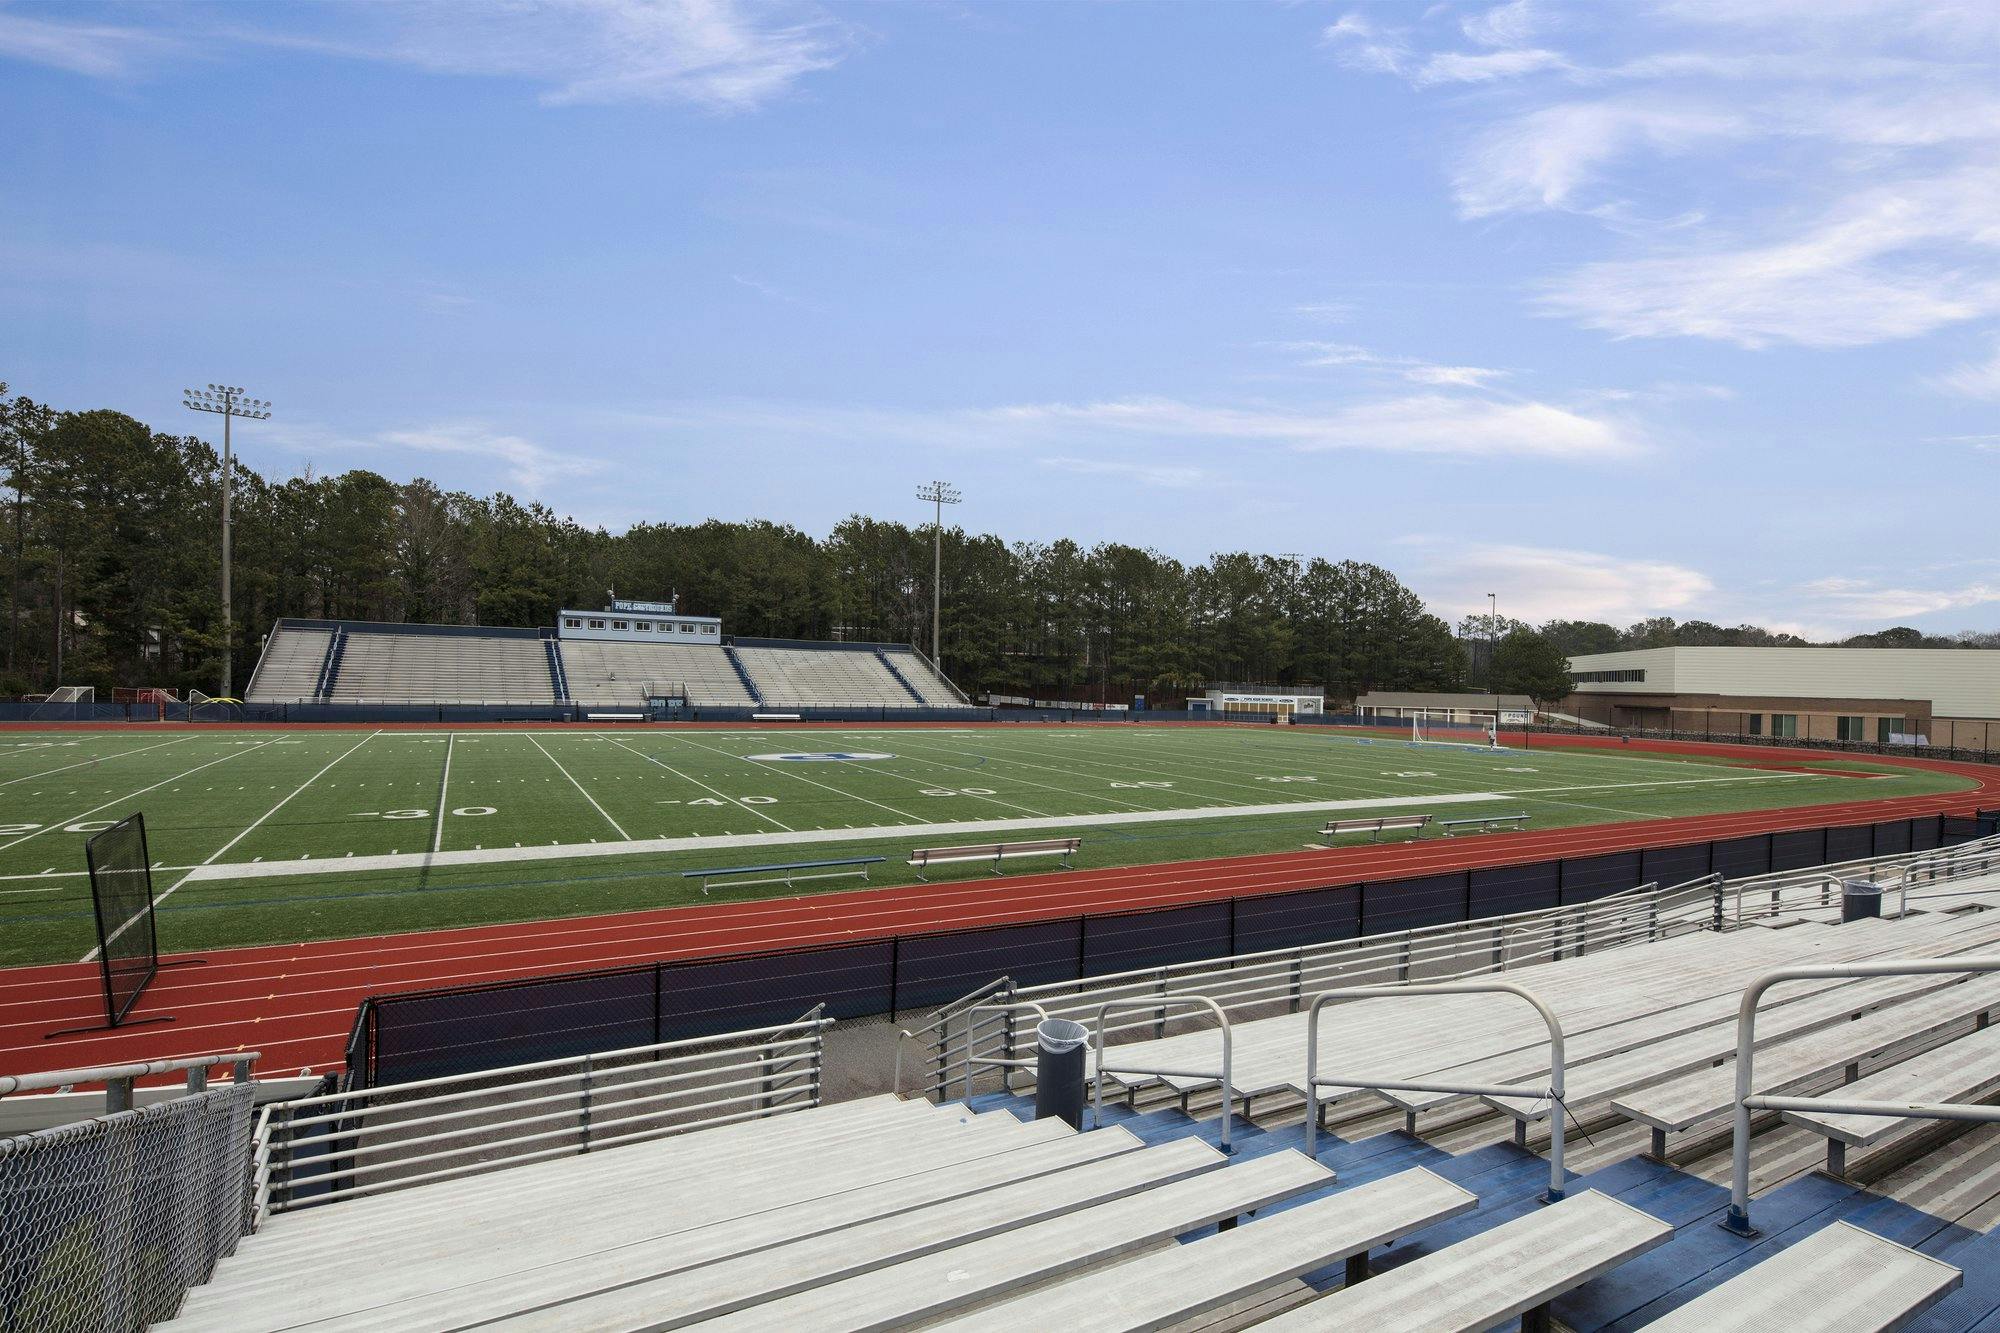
<point>1668,866</point>
<point>1587,877</point>
<point>121,890</point>
<point>1738,857</point>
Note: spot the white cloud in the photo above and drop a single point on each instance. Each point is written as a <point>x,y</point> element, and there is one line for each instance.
<point>1512,24</point>
<point>1979,379</point>
<point>527,465</point>
<point>721,54</point>
<point>1166,476</point>
<point>1459,67</point>
<point>98,50</point>
<point>1410,368</point>
<point>1423,424</point>
<point>1538,583</point>
<point>1895,262</point>
<point>1862,603</point>
<point>724,55</point>
<point>1552,158</point>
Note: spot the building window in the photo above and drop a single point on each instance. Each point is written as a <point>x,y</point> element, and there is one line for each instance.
<point>687,629</point>
<point>572,624</point>
<point>1627,677</point>
<point>1784,724</point>
<point>708,629</point>
<point>1851,728</point>
<point>1755,723</point>
<point>597,624</point>
<point>1885,727</point>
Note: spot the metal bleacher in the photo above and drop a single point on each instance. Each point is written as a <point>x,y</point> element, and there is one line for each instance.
<point>832,678</point>
<point>288,671</point>
<point>763,1209</point>
<point>385,664</point>
<point>607,673</point>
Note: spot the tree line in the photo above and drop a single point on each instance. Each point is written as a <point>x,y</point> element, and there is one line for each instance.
<point>113,573</point>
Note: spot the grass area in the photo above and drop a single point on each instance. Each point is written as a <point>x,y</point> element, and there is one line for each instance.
<point>456,813</point>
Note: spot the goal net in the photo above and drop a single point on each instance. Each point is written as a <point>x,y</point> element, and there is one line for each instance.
<point>65,703</point>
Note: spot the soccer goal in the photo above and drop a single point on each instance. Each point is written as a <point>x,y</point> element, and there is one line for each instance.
<point>1459,727</point>
<point>65,703</point>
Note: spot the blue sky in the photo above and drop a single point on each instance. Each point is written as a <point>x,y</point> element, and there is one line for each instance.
<point>1688,307</point>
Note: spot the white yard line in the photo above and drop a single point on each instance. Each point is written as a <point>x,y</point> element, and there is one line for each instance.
<point>786,770</point>
<point>444,787</point>
<point>746,809</point>
<point>71,819</point>
<point>217,854</point>
<point>563,852</point>
<point>82,763</point>
<point>579,787</point>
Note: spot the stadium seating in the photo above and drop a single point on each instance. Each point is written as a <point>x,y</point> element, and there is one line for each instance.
<point>288,672</point>
<point>605,673</point>
<point>380,665</point>
<point>830,678</point>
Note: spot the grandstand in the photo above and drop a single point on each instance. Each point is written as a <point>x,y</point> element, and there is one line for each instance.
<point>628,674</point>
<point>392,664</point>
<point>1401,1171</point>
<point>843,676</point>
<point>353,662</point>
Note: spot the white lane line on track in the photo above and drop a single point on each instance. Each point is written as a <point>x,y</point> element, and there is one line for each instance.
<point>127,923</point>
<point>579,787</point>
<point>566,851</point>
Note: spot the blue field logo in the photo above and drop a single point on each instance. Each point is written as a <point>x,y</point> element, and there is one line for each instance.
<point>822,757</point>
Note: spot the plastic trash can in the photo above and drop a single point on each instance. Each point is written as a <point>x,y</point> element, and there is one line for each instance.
<point>1060,1046</point>
<point>1860,899</point>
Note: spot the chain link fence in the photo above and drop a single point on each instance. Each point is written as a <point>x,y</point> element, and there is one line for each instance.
<point>105,1224</point>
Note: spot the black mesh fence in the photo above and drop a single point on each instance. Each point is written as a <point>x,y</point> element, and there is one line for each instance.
<point>121,891</point>
<point>426,1034</point>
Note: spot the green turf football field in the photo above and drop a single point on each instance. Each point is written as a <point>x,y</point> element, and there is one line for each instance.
<point>265,836</point>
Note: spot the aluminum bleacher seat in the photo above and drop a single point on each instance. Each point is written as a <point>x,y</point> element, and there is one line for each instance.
<point>623,674</point>
<point>381,665</point>
<point>832,677</point>
<point>288,671</point>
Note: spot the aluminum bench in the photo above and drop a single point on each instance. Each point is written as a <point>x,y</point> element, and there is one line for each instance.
<point>1374,828</point>
<point>996,852</point>
<point>1177,1283</point>
<point>785,873</point>
<point>1966,1070</point>
<point>1840,1279</point>
<point>1484,823</point>
<point>1515,1269</point>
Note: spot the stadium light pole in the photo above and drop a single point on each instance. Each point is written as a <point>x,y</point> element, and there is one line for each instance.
<point>938,494</point>
<point>226,401</point>
<point>1492,641</point>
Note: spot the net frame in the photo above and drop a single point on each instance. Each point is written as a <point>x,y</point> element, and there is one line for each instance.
<point>128,946</point>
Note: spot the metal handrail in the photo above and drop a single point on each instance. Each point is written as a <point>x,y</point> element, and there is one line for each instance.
<point>1628,917</point>
<point>63,1078</point>
<point>1164,1002</point>
<point>943,1015</point>
<point>1738,1219</point>
<point>1553,1092</point>
<point>315,1142</point>
<point>1903,863</point>
<point>1005,1008</point>
<point>1983,850</point>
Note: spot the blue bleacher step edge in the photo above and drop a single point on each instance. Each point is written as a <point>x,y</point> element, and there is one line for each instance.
<point>901,679</point>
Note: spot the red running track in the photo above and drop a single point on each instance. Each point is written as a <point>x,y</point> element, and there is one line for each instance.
<point>296,1002</point>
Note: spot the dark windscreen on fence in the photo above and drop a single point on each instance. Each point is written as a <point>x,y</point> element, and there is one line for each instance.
<point>423,1034</point>
<point>121,891</point>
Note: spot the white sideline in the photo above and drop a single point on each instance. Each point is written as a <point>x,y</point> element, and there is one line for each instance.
<point>349,865</point>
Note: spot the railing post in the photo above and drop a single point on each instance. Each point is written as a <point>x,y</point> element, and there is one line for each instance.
<point>1160,1018</point>
<point>1718,904</point>
<point>1298,970</point>
<point>584,1108</point>
<point>1009,1039</point>
<point>1403,959</point>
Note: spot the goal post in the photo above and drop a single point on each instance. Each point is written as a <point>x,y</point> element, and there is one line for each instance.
<point>121,893</point>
